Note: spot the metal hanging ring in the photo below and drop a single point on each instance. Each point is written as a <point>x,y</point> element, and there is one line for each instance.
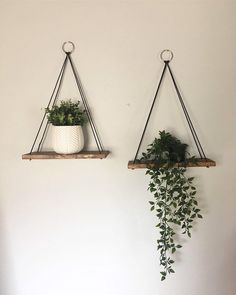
<point>166,55</point>
<point>71,45</point>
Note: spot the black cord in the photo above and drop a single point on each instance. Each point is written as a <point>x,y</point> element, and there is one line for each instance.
<point>53,103</point>
<point>41,124</point>
<point>83,97</point>
<point>190,124</point>
<point>150,112</point>
<point>189,121</point>
<point>53,100</point>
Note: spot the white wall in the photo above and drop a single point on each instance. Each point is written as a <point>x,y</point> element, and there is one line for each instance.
<point>84,227</point>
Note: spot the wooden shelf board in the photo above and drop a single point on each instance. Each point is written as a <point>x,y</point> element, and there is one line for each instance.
<point>146,164</point>
<point>55,156</point>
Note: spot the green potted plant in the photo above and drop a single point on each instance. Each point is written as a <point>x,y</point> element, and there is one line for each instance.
<point>174,202</point>
<point>67,120</point>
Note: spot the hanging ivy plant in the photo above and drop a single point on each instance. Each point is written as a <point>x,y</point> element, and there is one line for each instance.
<point>174,195</point>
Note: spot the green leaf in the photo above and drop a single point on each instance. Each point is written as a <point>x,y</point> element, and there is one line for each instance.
<point>163,273</point>
<point>173,250</point>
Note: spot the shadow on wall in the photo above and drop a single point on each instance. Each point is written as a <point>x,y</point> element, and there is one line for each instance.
<point>5,271</point>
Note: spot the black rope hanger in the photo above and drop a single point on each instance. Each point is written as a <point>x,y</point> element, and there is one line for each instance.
<point>52,101</point>
<point>166,56</point>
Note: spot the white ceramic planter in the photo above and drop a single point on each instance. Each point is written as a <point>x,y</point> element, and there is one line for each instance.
<point>67,139</point>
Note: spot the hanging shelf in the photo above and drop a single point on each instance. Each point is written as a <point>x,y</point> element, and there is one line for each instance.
<point>138,164</point>
<point>166,56</point>
<point>44,125</point>
<point>53,155</point>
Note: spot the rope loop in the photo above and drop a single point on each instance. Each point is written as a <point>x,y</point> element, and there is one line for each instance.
<point>68,47</point>
<point>166,55</point>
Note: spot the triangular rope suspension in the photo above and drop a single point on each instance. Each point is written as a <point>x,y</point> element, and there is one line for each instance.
<point>54,97</point>
<point>189,121</point>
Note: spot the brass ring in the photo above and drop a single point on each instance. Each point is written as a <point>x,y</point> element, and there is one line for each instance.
<point>68,43</point>
<point>168,52</point>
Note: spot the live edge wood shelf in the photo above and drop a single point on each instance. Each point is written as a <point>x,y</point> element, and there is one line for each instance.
<point>53,155</point>
<point>138,164</point>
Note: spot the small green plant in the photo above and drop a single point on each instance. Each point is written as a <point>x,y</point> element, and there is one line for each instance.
<point>174,195</point>
<point>68,113</point>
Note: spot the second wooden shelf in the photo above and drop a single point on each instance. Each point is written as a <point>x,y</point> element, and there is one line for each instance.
<point>138,164</point>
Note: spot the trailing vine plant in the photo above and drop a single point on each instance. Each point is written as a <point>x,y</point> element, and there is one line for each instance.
<point>174,195</point>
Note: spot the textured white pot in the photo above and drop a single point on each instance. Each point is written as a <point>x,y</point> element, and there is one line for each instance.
<point>67,139</point>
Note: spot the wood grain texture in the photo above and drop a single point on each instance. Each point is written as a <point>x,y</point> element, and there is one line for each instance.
<point>149,164</point>
<point>55,156</point>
